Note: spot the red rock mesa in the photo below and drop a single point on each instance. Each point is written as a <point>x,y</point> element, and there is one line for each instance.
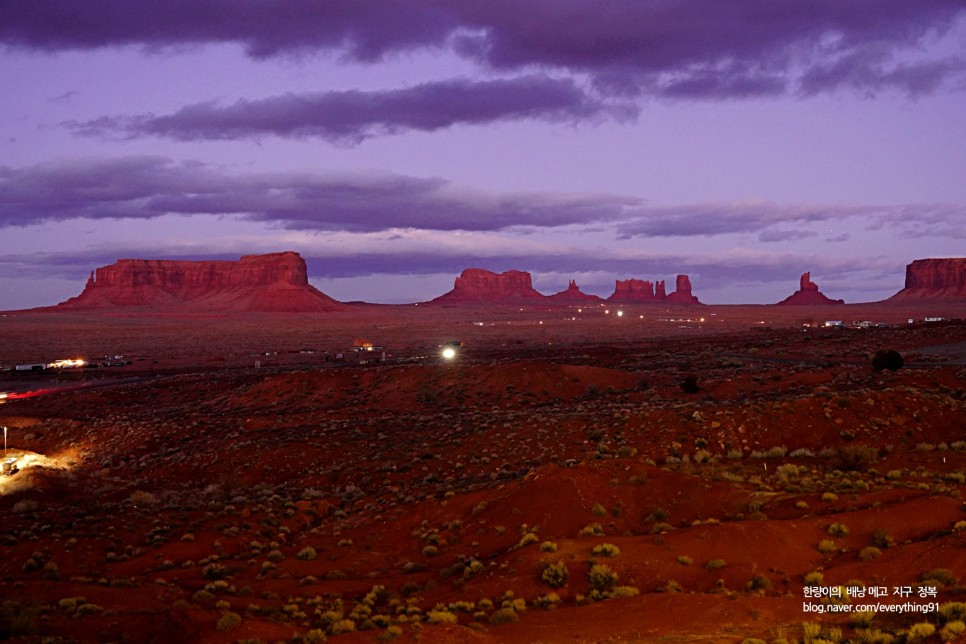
<point>276,282</point>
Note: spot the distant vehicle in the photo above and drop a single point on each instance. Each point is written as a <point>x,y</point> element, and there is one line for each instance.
<point>9,466</point>
<point>35,366</point>
<point>3,396</point>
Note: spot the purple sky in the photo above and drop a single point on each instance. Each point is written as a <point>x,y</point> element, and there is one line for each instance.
<point>395,143</point>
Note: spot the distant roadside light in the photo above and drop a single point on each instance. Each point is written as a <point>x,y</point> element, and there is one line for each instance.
<point>449,353</point>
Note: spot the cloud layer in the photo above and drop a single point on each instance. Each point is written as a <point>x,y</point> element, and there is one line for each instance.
<point>146,187</point>
<point>349,117</point>
<point>678,48</point>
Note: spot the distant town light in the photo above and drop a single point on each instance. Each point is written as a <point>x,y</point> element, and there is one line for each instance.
<point>449,353</point>
<point>620,314</point>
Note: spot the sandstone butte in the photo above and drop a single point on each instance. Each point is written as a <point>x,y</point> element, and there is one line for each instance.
<point>808,294</point>
<point>635,291</point>
<point>934,279</point>
<point>479,286</point>
<point>573,295</point>
<point>275,282</point>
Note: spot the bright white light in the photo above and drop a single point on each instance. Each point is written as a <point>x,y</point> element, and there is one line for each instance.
<point>449,353</point>
<point>620,314</point>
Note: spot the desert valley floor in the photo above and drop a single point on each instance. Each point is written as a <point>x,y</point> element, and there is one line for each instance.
<point>563,479</point>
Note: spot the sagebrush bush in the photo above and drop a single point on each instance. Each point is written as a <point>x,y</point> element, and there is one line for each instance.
<point>606,550</point>
<point>228,621</point>
<point>838,530</point>
<point>601,577</point>
<point>555,574</point>
<point>503,616</point>
<point>307,554</point>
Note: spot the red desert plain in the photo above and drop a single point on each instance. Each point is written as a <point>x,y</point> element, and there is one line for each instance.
<point>243,459</point>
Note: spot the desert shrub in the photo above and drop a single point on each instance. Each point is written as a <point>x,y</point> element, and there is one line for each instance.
<point>881,539</point>
<point>827,546</point>
<point>689,384</point>
<point>441,616</point>
<point>18,620</point>
<point>25,506</point>
<point>430,551</point>
<point>887,359</point>
<point>814,578</point>
<point>503,616</point>
<point>548,546</point>
<point>658,528</point>
<point>920,631</point>
<point>527,539</point>
<point>555,574</point>
<point>215,571</point>
<point>861,617</point>
<point>228,621</point>
<point>943,576</point>
<point>307,554</point>
<point>838,529</point>
<point>715,564</point>
<point>593,529</point>
<point>142,497</point>
<point>869,553</point>
<point>391,633</point>
<point>952,631</point>
<point>625,591</point>
<point>830,497</point>
<point>606,550</point>
<point>660,514</point>
<point>685,560</point>
<point>855,457</point>
<point>601,577</point>
<point>758,582</point>
<point>801,505</point>
<point>314,636</point>
<point>276,556</point>
<point>599,510</point>
<point>753,640</point>
<point>953,611</point>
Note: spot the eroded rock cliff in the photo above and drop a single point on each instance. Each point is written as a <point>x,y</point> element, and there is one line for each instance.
<point>937,278</point>
<point>477,285</point>
<point>272,282</point>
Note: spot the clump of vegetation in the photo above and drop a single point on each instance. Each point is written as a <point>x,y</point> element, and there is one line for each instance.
<point>715,564</point>
<point>690,384</point>
<point>887,359</point>
<point>838,529</point>
<point>591,530</point>
<point>942,576</point>
<point>601,577</point>
<point>307,554</point>
<point>606,550</point>
<point>228,621</point>
<point>503,616</point>
<point>685,560</point>
<point>827,546</point>
<point>555,574</point>
<point>548,546</point>
<point>869,553</point>
<point>855,457</point>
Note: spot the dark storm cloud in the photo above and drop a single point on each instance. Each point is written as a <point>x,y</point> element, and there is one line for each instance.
<point>351,116</point>
<point>148,187</point>
<point>684,48</point>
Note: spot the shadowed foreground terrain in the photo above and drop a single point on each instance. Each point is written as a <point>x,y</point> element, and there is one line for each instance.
<point>555,482</point>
